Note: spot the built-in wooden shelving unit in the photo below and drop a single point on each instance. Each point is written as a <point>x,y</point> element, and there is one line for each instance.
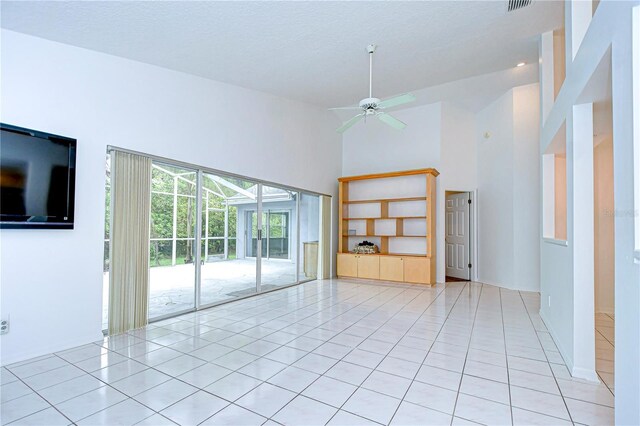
<point>397,212</point>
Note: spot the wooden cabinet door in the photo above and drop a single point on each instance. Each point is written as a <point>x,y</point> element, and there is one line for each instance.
<point>416,270</point>
<point>368,267</point>
<point>391,268</point>
<point>347,265</point>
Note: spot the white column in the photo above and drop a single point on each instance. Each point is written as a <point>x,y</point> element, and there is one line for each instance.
<point>206,227</point>
<point>625,63</point>
<point>545,66</point>
<point>635,41</point>
<point>226,229</point>
<point>577,19</point>
<point>174,234</point>
<point>583,240</point>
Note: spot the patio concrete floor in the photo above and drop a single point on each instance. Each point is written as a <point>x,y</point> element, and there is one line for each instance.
<point>172,287</point>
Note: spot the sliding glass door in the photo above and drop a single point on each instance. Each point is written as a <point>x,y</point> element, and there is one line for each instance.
<point>215,237</point>
<point>279,235</point>
<point>228,270</point>
<point>275,240</point>
<point>172,240</point>
<point>252,233</point>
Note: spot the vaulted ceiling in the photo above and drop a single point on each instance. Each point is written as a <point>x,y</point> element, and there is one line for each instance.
<point>312,51</point>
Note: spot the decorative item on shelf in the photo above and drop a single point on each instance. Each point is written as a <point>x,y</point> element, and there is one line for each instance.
<point>352,232</point>
<point>366,247</point>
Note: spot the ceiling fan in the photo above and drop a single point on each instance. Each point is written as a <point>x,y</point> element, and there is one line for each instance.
<point>374,106</point>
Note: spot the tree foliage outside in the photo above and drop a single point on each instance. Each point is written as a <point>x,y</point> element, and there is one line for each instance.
<point>162,211</point>
<point>163,186</point>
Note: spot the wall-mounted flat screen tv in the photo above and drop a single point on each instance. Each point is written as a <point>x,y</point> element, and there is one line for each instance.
<point>37,179</point>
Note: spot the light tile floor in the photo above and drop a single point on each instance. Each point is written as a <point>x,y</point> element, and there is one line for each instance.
<point>605,346</point>
<point>325,352</point>
<point>171,288</point>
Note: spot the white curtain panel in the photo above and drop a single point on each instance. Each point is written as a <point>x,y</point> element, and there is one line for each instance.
<point>129,267</point>
<point>324,258</point>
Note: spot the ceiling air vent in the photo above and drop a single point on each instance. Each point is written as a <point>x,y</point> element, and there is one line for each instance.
<point>517,4</point>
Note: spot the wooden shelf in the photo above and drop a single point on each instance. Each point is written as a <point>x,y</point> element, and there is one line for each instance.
<point>388,236</point>
<point>429,171</point>
<point>389,254</point>
<point>385,200</point>
<point>414,268</point>
<point>384,218</point>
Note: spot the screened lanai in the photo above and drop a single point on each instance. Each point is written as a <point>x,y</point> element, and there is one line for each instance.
<point>228,239</point>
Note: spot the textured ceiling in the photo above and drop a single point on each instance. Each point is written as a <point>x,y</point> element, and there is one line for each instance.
<point>309,51</point>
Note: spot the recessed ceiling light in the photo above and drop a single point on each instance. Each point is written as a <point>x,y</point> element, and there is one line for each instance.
<point>521,64</point>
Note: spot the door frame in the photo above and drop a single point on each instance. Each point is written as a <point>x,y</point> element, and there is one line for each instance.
<point>266,228</point>
<point>473,231</point>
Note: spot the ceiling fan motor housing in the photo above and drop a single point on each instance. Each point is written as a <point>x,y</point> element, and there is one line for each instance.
<point>369,104</point>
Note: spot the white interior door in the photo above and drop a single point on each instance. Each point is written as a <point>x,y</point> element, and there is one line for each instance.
<point>457,235</point>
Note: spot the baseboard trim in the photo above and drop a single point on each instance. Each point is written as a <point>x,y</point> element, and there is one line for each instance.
<point>577,372</point>
<point>530,290</point>
<point>585,374</point>
<point>565,356</point>
<point>69,344</point>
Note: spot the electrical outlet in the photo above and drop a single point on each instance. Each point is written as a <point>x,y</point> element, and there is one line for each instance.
<point>4,326</point>
<point>549,301</point>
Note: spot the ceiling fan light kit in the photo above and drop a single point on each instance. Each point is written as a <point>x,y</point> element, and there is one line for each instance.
<point>374,106</point>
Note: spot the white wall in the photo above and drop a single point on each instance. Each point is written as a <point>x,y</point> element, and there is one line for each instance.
<point>495,192</point>
<point>445,136</point>
<point>52,280</point>
<point>509,190</point>
<point>458,168</point>
<point>374,147</point>
<point>526,187</point>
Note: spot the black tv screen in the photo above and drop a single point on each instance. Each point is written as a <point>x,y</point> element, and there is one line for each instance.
<point>37,179</point>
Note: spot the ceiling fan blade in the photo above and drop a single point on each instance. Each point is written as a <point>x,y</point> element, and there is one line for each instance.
<point>349,123</point>
<point>391,121</point>
<point>398,100</point>
<point>349,107</point>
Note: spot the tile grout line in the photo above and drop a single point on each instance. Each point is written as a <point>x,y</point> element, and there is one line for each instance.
<point>342,358</point>
<point>146,365</point>
<point>266,381</point>
<point>553,373</point>
<point>108,384</point>
<point>336,316</point>
<point>599,372</point>
<point>387,354</point>
<point>373,332</point>
<point>429,350</point>
<point>45,399</point>
<point>475,315</point>
<point>604,337</point>
<point>233,402</point>
<point>506,357</point>
<point>176,378</point>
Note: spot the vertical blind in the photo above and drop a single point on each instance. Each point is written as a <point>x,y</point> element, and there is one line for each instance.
<point>129,275</point>
<point>324,267</point>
